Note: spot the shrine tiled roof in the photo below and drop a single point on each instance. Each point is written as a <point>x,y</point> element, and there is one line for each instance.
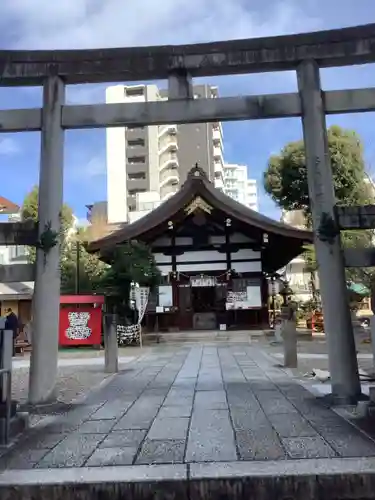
<point>198,185</point>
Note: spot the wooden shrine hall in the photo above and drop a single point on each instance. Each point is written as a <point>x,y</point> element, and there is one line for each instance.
<point>214,254</point>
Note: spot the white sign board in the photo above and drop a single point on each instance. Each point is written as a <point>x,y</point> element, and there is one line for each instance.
<point>254,297</point>
<point>202,281</point>
<point>233,297</point>
<point>165,296</point>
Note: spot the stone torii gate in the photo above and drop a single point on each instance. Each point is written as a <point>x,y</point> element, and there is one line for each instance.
<point>305,53</point>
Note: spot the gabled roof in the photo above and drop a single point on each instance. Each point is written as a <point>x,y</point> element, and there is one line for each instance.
<point>197,184</point>
<point>8,207</point>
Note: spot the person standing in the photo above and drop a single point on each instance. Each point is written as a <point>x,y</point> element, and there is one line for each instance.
<point>11,323</point>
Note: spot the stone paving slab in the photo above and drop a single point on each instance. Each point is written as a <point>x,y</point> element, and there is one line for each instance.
<point>192,404</point>
<point>325,479</point>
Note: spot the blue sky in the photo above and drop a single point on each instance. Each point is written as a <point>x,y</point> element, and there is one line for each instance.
<point>42,24</point>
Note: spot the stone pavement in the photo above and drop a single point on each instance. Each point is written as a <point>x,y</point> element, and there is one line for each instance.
<point>191,405</point>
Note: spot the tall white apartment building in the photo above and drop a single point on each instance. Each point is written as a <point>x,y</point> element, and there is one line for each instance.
<point>239,187</point>
<point>153,161</point>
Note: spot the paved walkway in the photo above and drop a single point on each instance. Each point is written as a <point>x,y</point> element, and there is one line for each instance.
<point>18,364</point>
<point>188,405</point>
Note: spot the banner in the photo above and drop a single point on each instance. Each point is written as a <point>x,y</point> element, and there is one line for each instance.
<point>129,334</point>
<point>202,281</point>
<point>141,300</point>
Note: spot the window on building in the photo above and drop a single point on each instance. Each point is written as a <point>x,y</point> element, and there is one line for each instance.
<point>136,142</point>
<point>136,159</point>
<point>133,192</point>
<point>132,129</point>
<point>134,91</point>
<point>136,176</point>
<point>17,251</point>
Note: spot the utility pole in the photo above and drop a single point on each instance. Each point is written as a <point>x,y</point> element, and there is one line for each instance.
<point>78,260</point>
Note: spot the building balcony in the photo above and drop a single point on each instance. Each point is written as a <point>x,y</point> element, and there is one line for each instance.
<point>169,177</point>
<point>218,154</point>
<point>219,184</point>
<point>232,188</point>
<point>217,137</point>
<point>169,145</point>
<point>169,161</point>
<point>167,129</point>
<point>167,191</point>
<point>218,168</point>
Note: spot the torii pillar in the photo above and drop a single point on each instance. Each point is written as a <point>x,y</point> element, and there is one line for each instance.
<point>343,363</point>
<point>46,302</point>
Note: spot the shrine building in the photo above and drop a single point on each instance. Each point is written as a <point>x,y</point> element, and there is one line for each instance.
<point>214,255</point>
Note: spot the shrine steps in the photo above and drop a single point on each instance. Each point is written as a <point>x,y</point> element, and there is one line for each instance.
<point>201,336</point>
<point>267,480</point>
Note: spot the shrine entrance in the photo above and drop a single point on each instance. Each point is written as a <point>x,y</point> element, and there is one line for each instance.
<point>203,296</point>
<point>203,301</point>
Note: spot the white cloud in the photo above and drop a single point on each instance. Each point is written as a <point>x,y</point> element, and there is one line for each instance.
<point>95,167</point>
<point>42,24</point>
<point>9,147</point>
<point>87,169</point>
<point>77,24</point>
<point>74,24</point>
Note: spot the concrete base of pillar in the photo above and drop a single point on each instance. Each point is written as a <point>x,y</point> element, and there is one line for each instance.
<point>337,400</point>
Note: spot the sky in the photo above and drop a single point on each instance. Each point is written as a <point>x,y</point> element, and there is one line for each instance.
<point>79,24</point>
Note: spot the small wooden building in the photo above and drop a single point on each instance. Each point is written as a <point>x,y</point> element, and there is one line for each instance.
<point>214,254</point>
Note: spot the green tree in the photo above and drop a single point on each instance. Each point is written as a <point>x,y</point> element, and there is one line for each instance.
<point>91,268</point>
<point>131,262</point>
<point>29,211</point>
<point>285,178</point>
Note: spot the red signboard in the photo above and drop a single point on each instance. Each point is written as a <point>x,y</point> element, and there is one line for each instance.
<point>81,299</point>
<point>80,324</point>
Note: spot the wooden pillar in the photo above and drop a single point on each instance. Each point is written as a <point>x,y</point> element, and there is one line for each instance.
<point>228,231</point>
<point>265,295</point>
<point>175,294</point>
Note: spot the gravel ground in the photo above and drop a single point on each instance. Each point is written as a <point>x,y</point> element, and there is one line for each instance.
<point>318,346</point>
<point>73,382</point>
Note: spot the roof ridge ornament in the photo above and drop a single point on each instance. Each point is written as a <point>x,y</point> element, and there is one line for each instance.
<point>198,204</point>
<point>197,172</point>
